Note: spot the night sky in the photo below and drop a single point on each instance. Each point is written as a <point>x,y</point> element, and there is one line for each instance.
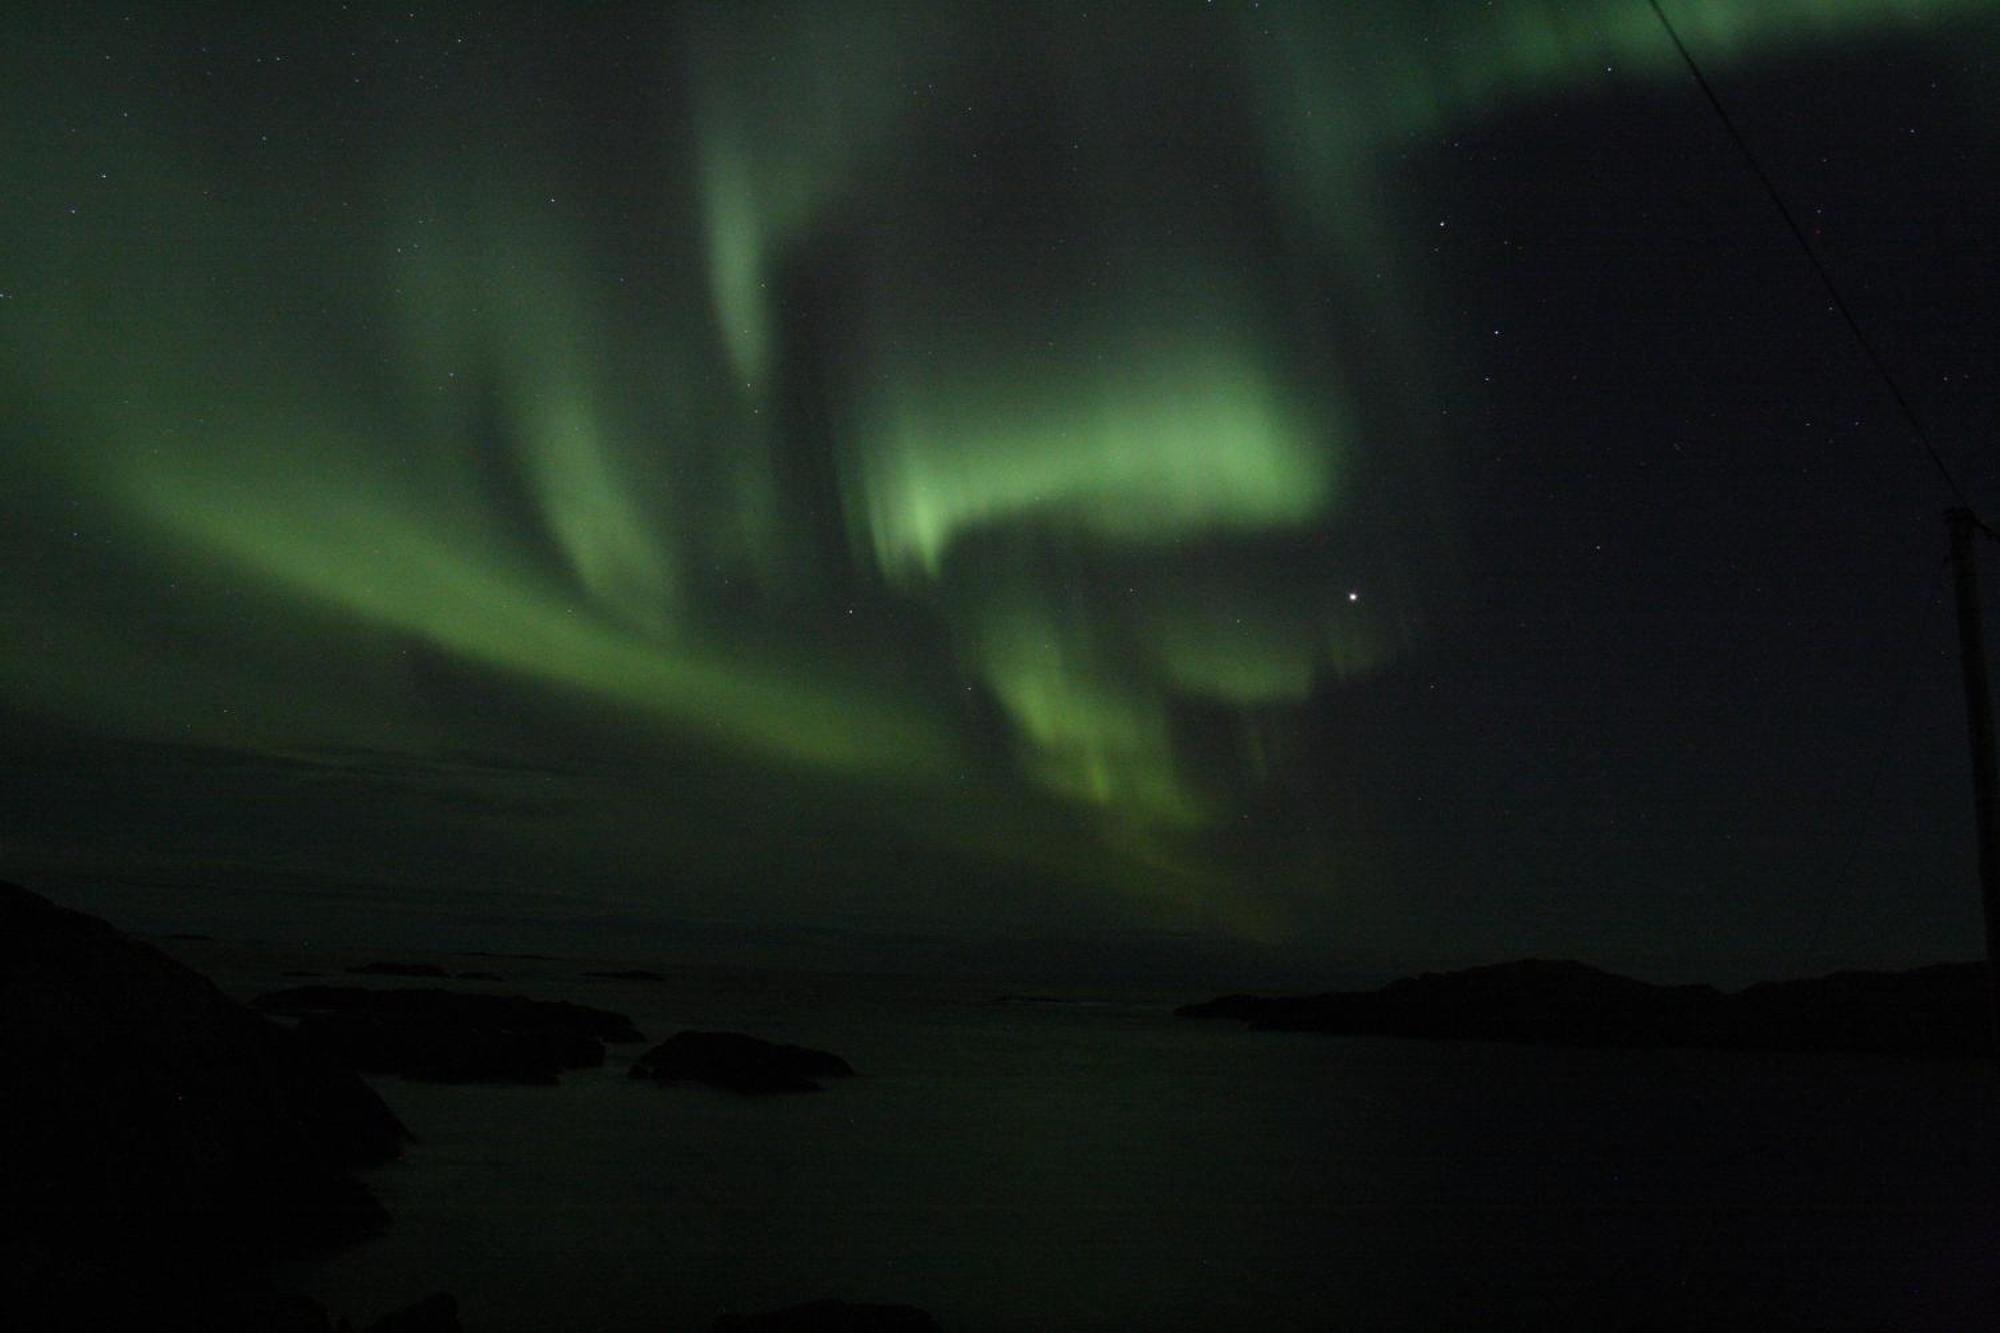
<point>1367,486</point>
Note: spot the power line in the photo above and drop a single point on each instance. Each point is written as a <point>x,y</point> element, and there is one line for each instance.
<point>1826,279</point>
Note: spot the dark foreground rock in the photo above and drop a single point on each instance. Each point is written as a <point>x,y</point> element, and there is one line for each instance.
<point>1940,1010</point>
<point>41,1295</point>
<point>159,1142</point>
<point>736,1063</point>
<point>832,1317</point>
<point>451,1036</point>
<point>41,1292</point>
<point>629,974</point>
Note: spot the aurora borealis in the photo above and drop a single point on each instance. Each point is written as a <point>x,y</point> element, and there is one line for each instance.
<point>954,462</point>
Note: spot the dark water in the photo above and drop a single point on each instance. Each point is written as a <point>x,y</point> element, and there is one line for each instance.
<point>1104,1166</point>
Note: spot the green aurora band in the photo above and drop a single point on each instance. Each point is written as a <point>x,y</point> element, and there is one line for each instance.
<point>862,381</point>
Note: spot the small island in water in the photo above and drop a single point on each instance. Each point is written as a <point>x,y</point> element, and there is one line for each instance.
<point>1943,1009</point>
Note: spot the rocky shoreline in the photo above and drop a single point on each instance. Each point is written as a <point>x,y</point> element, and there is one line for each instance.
<point>164,1146</point>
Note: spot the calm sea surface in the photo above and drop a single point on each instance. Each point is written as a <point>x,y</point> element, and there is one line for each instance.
<point>1095,1163</point>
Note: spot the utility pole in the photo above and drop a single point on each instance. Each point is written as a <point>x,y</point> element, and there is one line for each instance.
<point>1965,529</point>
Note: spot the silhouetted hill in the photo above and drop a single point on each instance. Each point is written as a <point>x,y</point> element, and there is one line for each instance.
<point>1938,1010</point>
